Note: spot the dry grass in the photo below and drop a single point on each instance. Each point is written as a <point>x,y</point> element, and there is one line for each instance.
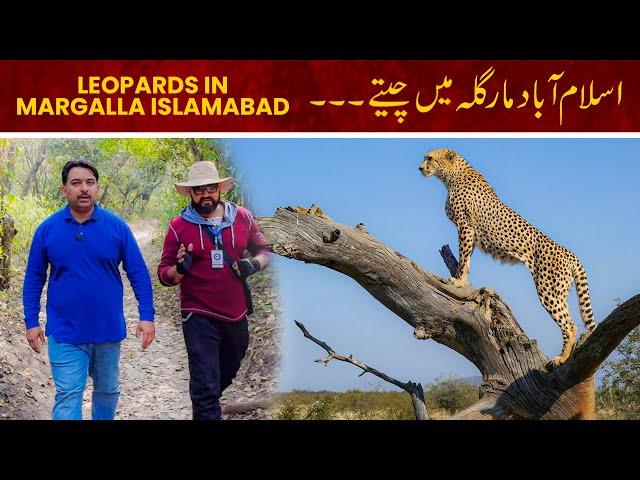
<point>376,405</point>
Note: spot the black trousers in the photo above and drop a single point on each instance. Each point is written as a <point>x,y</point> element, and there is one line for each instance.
<point>215,350</point>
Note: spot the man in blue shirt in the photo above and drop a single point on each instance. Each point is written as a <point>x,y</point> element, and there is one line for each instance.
<point>84,244</point>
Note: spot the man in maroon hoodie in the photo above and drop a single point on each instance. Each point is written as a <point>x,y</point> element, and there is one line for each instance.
<point>204,252</point>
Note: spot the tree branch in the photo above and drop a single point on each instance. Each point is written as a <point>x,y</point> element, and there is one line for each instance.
<point>476,323</point>
<point>242,407</point>
<point>471,322</point>
<point>588,357</point>
<point>195,150</point>
<point>449,260</point>
<point>413,389</point>
<point>31,176</point>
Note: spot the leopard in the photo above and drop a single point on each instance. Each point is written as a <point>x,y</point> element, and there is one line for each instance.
<point>482,220</point>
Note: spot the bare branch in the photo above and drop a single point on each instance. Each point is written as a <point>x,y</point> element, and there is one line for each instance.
<point>240,407</point>
<point>31,176</point>
<point>450,260</point>
<point>313,339</point>
<point>413,389</point>
<point>195,150</point>
<point>586,359</point>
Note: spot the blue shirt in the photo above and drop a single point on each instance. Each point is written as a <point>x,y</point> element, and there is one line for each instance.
<point>85,293</point>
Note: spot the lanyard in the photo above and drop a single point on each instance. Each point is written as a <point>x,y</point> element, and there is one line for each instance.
<point>217,236</point>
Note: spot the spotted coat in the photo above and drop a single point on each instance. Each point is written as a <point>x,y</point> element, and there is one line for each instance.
<point>483,220</point>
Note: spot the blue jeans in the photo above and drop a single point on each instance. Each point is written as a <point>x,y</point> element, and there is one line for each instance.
<point>70,365</point>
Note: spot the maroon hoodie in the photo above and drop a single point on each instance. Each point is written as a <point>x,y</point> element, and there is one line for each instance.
<point>216,292</point>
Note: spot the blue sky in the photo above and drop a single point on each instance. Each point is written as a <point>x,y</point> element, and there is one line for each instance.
<point>583,193</point>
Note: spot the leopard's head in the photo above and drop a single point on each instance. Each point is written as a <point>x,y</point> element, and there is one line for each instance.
<point>440,162</point>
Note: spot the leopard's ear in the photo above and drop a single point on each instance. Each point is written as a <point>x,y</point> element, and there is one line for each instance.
<point>454,158</point>
<point>449,157</point>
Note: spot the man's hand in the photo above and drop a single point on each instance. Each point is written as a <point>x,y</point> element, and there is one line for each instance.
<point>246,267</point>
<point>35,336</point>
<point>184,259</point>
<point>148,331</point>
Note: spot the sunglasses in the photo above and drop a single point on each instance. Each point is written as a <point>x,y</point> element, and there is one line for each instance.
<point>209,188</point>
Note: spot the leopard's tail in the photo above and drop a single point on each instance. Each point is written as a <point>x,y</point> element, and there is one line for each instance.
<point>582,288</point>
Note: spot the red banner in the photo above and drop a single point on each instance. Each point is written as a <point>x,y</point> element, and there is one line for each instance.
<point>319,96</point>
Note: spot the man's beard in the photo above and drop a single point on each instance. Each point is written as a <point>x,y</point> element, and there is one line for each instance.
<point>204,209</point>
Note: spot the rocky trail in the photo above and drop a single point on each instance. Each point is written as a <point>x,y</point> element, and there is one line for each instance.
<point>154,384</point>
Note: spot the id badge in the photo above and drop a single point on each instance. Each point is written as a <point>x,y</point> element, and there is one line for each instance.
<point>217,259</point>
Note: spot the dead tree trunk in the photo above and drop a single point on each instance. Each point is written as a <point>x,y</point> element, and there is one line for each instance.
<point>195,150</point>
<point>7,232</point>
<point>475,323</point>
<point>31,176</point>
<point>7,166</point>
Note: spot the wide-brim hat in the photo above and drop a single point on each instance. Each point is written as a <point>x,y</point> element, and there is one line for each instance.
<point>204,173</point>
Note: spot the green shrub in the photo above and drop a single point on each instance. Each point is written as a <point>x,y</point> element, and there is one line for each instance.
<point>27,212</point>
<point>288,408</point>
<point>350,405</point>
<point>451,395</point>
<point>619,394</point>
<point>322,409</point>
